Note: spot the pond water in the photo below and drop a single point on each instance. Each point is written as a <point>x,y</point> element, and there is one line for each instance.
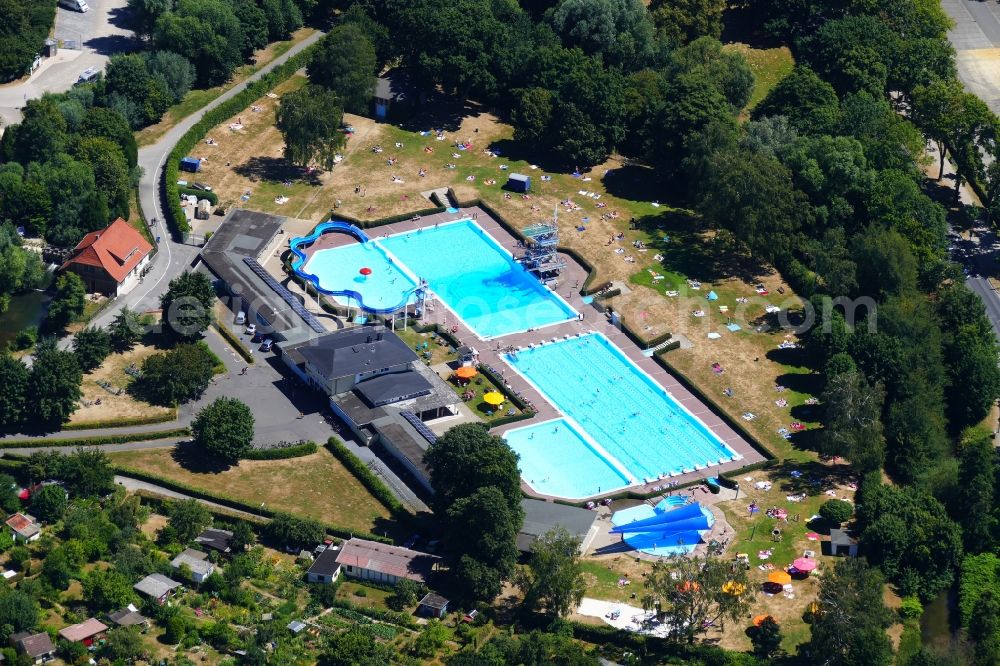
<point>937,628</point>
<point>26,309</point>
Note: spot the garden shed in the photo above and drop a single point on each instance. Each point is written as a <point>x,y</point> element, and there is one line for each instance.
<point>519,182</point>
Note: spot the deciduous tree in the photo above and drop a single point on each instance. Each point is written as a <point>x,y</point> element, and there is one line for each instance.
<point>309,121</point>
<point>224,429</point>
<point>553,579</point>
<point>345,63</point>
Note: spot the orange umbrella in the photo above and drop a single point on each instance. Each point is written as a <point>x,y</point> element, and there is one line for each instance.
<point>493,398</point>
<point>466,372</point>
<point>759,620</point>
<point>779,578</point>
<point>688,586</point>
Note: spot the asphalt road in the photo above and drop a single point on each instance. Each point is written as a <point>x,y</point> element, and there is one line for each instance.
<point>98,35</point>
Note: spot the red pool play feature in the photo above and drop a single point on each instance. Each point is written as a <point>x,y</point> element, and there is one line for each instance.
<point>365,271</point>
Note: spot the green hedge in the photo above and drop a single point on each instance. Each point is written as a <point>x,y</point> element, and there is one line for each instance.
<point>255,90</point>
<point>122,422</point>
<point>94,441</point>
<point>233,503</point>
<point>507,420</point>
<point>212,197</point>
<point>676,344</point>
<point>367,478</point>
<point>281,453</point>
<point>237,344</point>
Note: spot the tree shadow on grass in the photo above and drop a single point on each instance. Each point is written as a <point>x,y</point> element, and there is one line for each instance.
<point>519,151</point>
<point>633,183</point>
<point>810,477</point>
<point>440,112</point>
<point>191,457</point>
<point>276,169</point>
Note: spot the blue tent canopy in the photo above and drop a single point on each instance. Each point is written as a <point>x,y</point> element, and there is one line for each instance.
<point>712,296</point>
<point>662,520</point>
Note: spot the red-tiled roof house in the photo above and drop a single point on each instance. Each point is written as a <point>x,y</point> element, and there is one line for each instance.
<point>110,260</point>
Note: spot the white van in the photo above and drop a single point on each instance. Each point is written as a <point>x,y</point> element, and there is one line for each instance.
<point>88,75</point>
<point>75,5</point>
<point>241,318</point>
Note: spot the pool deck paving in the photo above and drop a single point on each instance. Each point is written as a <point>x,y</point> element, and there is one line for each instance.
<point>571,278</point>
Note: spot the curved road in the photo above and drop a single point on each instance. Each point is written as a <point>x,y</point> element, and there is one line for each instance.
<point>172,257</point>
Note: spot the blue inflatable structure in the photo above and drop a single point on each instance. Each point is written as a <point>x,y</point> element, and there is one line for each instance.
<point>663,530</point>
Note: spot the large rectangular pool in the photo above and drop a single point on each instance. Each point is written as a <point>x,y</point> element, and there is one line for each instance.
<point>637,426</point>
<point>478,279</point>
<point>463,266</point>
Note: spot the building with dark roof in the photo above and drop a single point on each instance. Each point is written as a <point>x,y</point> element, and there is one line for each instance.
<point>215,539</point>
<point>110,260</point>
<point>433,605</point>
<point>248,235</point>
<point>325,568</point>
<point>128,617</point>
<point>37,647</point>
<point>541,517</point>
<point>842,542</point>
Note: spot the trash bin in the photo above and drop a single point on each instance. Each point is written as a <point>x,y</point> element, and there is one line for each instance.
<point>51,47</point>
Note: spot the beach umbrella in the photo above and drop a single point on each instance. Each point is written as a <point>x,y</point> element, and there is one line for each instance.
<point>734,588</point>
<point>712,296</point>
<point>812,536</point>
<point>688,586</point>
<point>493,398</point>
<point>466,372</point>
<point>365,271</point>
<point>804,564</point>
<point>779,578</point>
<point>759,620</point>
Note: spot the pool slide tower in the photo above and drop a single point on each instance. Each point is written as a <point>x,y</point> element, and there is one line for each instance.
<point>297,244</point>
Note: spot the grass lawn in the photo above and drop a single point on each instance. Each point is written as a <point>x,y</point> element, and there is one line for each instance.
<point>195,99</point>
<point>601,577</point>
<point>362,595</point>
<point>315,486</point>
<point>769,66</point>
<point>438,353</point>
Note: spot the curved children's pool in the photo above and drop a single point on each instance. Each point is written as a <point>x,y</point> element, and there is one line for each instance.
<point>636,425</point>
<point>464,266</point>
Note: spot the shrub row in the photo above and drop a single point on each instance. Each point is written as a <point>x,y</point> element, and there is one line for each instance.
<point>507,420</point>
<point>212,197</point>
<point>676,344</point>
<point>239,505</point>
<point>122,422</point>
<point>659,339</point>
<point>124,438</point>
<point>159,504</point>
<point>237,344</point>
<point>281,453</point>
<point>367,478</point>
<point>254,90</point>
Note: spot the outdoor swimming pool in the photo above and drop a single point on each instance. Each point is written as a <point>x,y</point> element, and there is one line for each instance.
<point>462,265</point>
<point>338,270</point>
<point>556,459</point>
<point>622,409</point>
<point>477,279</point>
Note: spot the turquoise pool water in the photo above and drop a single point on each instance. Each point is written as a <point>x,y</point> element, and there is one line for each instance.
<point>556,459</point>
<point>478,279</point>
<point>338,270</point>
<point>463,265</point>
<point>618,406</point>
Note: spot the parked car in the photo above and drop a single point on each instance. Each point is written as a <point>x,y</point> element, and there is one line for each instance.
<point>251,329</point>
<point>88,74</point>
<point>241,318</point>
<point>266,346</point>
<point>257,338</point>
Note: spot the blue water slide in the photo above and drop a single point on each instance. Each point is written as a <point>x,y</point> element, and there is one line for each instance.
<point>687,525</point>
<point>648,540</point>
<point>683,513</point>
<point>296,245</point>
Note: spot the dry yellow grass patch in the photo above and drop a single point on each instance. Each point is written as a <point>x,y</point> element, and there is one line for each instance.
<point>112,406</point>
<point>315,486</point>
